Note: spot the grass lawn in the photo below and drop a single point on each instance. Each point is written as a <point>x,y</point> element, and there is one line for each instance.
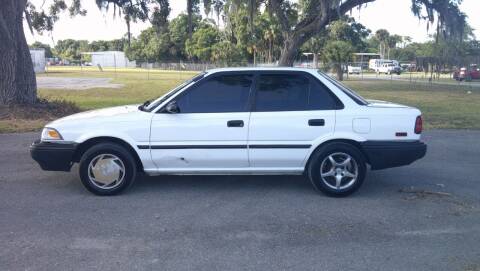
<point>442,106</point>
<point>139,86</point>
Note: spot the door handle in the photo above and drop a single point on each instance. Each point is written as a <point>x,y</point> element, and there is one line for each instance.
<point>316,122</point>
<point>235,123</point>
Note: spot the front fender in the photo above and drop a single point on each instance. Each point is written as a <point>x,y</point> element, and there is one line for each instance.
<point>115,134</point>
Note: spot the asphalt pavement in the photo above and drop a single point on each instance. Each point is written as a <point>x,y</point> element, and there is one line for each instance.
<point>397,221</point>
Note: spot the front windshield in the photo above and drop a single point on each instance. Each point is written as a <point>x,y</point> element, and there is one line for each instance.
<point>172,92</point>
<point>349,92</point>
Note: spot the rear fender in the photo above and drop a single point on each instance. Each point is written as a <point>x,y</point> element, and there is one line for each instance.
<point>329,138</point>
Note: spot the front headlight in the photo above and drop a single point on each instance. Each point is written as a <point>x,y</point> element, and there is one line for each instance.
<point>50,134</point>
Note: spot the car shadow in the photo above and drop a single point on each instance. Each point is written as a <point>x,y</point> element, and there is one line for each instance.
<point>376,185</point>
<point>221,183</point>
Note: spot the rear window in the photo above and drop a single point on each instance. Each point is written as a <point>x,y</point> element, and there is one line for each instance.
<point>349,92</point>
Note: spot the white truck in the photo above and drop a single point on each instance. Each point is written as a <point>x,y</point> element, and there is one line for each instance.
<point>385,66</point>
<point>354,69</point>
<point>238,121</point>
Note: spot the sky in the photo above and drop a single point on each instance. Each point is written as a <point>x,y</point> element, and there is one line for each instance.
<point>393,15</point>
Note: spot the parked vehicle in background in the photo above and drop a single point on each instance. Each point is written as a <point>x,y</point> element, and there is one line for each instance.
<point>354,70</point>
<point>374,64</point>
<point>389,68</point>
<point>238,121</point>
<point>472,73</point>
<point>411,67</point>
<point>386,66</point>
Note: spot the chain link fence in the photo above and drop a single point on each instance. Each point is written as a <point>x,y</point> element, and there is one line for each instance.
<point>352,71</point>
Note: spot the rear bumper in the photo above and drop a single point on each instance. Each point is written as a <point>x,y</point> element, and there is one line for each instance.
<point>53,156</point>
<point>388,154</point>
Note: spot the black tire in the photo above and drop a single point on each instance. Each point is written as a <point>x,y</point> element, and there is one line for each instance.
<point>110,150</point>
<point>323,153</point>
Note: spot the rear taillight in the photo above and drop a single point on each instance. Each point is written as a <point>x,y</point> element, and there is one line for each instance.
<point>418,125</point>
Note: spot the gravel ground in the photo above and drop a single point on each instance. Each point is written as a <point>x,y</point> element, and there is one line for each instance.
<point>48,221</point>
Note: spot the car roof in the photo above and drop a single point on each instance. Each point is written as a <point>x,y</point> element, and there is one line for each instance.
<point>259,69</point>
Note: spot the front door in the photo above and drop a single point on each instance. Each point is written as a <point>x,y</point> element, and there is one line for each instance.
<point>291,111</point>
<point>209,133</point>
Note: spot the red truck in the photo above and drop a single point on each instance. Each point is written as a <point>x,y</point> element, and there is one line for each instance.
<point>467,74</point>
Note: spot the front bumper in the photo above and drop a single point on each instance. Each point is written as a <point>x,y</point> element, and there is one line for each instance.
<point>388,154</point>
<point>53,156</point>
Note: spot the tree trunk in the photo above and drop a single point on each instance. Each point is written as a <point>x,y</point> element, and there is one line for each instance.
<point>315,60</point>
<point>338,68</point>
<point>270,46</point>
<point>17,78</point>
<point>129,33</point>
<point>289,51</point>
<point>190,17</point>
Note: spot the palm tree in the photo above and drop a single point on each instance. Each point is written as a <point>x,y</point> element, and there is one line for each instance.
<point>382,36</point>
<point>218,8</point>
<point>191,4</point>
<point>392,42</point>
<point>406,39</point>
<point>207,7</point>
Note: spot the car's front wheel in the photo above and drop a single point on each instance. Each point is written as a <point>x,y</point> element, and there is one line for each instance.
<point>107,169</point>
<point>337,169</point>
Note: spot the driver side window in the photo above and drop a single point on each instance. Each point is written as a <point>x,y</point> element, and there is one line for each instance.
<point>224,93</point>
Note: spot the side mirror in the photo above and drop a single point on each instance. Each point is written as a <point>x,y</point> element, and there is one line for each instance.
<point>172,108</point>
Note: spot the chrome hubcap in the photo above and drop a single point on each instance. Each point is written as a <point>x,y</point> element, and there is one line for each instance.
<point>339,171</point>
<point>106,171</point>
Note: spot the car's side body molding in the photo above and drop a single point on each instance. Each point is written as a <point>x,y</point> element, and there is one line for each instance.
<point>253,146</point>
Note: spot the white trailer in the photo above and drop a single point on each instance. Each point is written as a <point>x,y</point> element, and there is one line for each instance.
<point>110,59</point>
<point>38,59</point>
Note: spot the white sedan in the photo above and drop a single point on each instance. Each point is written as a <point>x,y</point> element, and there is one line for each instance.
<point>238,121</point>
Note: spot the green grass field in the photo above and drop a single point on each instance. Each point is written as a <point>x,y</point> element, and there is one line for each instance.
<point>139,86</point>
<point>443,106</point>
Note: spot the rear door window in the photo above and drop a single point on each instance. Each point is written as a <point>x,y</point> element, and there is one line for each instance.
<point>291,92</point>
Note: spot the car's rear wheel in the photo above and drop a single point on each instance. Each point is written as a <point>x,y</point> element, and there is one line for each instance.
<point>107,169</point>
<point>337,169</point>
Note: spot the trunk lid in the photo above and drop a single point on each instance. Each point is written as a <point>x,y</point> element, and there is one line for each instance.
<point>384,104</point>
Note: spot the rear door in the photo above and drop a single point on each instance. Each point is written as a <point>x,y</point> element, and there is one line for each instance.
<point>290,111</point>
